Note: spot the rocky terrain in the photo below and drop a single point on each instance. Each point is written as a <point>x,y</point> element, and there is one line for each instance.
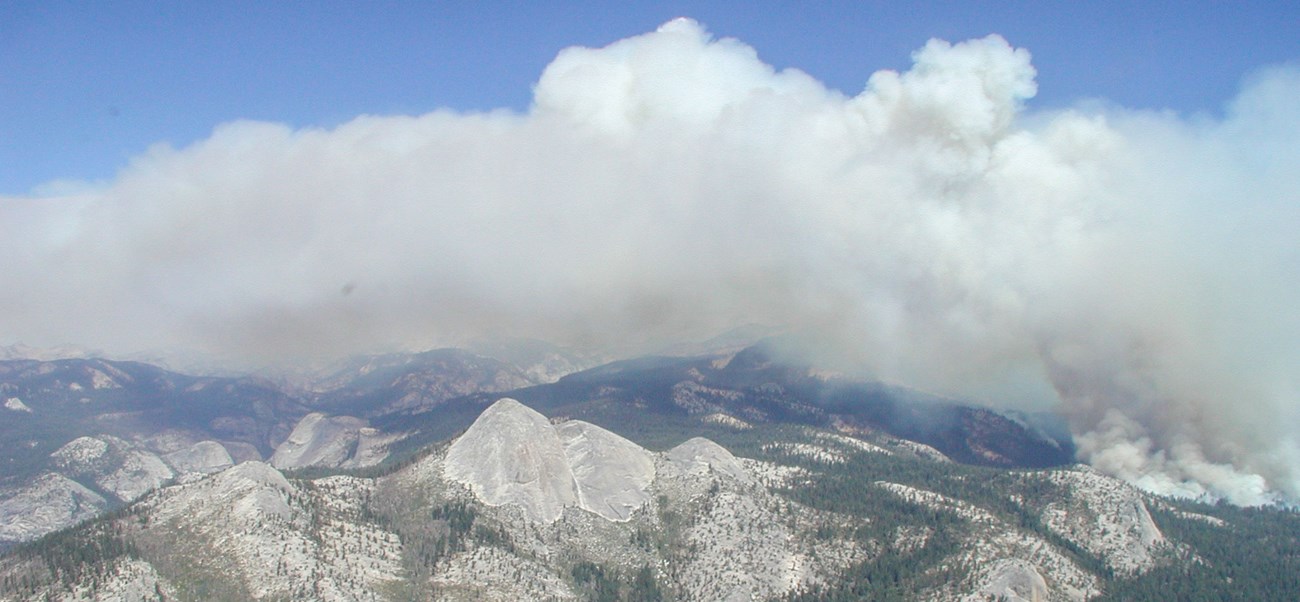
<point>119,429</point>
<point>512,455</point>
<point>525,507</point>
<point>80,436</point>
<point>717,477</point>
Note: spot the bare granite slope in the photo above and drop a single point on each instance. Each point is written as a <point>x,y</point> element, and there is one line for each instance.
<point>51,501</point>
<point>521,508</point>
<point>334,442</point>
<point>514,455</point>
<point>613,474</point>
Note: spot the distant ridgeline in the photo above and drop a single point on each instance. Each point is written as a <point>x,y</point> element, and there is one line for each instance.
<point>524,507</point>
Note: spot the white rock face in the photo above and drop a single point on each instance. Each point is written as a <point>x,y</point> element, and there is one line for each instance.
<point>1013,581</point>
<point>247,489</point>
<point>203,457</point>
<point>318,440</point>
<point>139,472</point>
<point>701,455</point>
<point>727,420</point>
<point>514,455</point>
<point>612,473</point>
<point>51,502</point>
<point>80,454</point>
<point>242,452</point>
<point>115,465</point>
<point>372,447</point>
<point>333,441</point>
<point>17,405</point>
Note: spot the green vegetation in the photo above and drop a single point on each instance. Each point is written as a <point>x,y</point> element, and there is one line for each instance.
<point>600,584</point>
<point>908,548</point>
<point>1254,556</point>
<point>87,553</point>
<point>593,581</point>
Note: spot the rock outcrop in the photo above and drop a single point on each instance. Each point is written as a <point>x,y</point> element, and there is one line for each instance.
<point>1013,581</point>
<point>117,466</point>
<point>613,474</point>
<point>1106,517</point>
<point>318,439</point>
<point>702,455</point>
<point>513,455</point>
<point>332,442</point>
<point>51,502</point>
<point>203,457</point>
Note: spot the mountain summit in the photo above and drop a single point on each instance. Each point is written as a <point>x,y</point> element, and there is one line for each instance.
<point>522,507</point>
<point>757,480</point>
<point>513,455</point>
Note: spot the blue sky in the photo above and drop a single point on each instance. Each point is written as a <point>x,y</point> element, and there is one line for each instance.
<point>85,86</point>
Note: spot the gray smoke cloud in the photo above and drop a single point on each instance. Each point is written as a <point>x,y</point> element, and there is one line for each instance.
<point>1138,269</point>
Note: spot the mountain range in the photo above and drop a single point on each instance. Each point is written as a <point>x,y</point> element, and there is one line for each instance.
<point>451,474</point>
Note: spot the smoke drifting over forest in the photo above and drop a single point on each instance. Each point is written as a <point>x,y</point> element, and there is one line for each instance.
<point>1139,269</point>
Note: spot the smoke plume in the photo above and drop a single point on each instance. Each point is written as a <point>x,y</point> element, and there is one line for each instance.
<point>1139,269</point>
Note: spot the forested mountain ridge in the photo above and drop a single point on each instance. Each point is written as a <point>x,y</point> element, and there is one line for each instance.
<point>781,512</point>
<point>335,485</point>
<point>83,436</point>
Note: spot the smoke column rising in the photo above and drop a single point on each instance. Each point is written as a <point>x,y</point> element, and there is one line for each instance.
<point>1138,269</point>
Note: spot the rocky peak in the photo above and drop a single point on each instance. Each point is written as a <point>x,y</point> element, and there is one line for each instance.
<point>1013,580</point>
<point>513,455</point>
<point>702,455</point>
<point>612,473</point>
<point>318,439</point>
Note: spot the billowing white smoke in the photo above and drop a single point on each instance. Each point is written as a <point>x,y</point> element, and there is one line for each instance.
<point>1140,268</point>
